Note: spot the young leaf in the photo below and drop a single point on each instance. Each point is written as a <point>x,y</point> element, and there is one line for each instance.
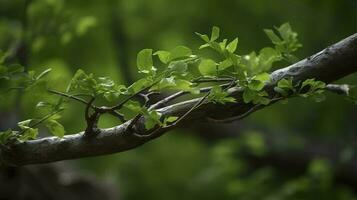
<point>214,34</point>
<point>203,37</point>
<point>152,119</point>
<point>208,67</point>
<point>232,46</point>
<point>225,64</point>
<point>267,56</point>
<point>164,56</point>
<point>29,133</point>
<point>55,128</point>
<point>286,84</point>
<point>24,124</point>
<point>138,85</point>
<point>169,119</point>
<point>263,77</point>
<point>179,52</point>
<point>5,136</point>
<point>178,67</point>
<point>217,95</point>
<point>272,36</point>
<point>144,61</point>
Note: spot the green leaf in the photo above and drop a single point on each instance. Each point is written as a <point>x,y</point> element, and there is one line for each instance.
<point>83,81</point>
<point>203,37</point>
<point>179,52</point>
<point>170,119</point>
<point>285,31</point>
<point>225,64</point>
<point>144,61</point>
<point>165,83</point>
<point>5,136</point>
<point>215,33</point>
<point>263,77</point>
<point>208,67</point>
<point>29,133</point>
<point>24,124</point>
<point>257,97</point>
<point>223,44</point>
<point>272,36</point>
<point>267,56</point>
<point>178,67</point>
<point>248,95</point>
<point>256,85</point>
<point>152,119</point>
<point>185,85</point>
<point>55,128</point>
<point>164,56</point>
<point>138,85</point>
<point>286,84</point>
<point>314,85</point>
<point>232,46</point>
<point>217,95</point>
<point>134,106</point>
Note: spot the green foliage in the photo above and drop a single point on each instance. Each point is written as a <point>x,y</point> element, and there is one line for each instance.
<point>178,52</point>
<point>178,73</point>
<point>285,41</point>
<point>308,88</point>
<point>218,95</point>
<point>55,127</point>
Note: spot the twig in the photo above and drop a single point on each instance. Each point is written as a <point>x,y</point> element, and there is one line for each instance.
<point>69,96</point>
<point>120,105</point>
<point>118,115</point>
<point>45,118</point>
<point>250,111</point>
<point>212,80</point>
<point>176,95</point>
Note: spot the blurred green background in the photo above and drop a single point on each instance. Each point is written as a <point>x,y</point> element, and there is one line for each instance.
<point>299,150</point>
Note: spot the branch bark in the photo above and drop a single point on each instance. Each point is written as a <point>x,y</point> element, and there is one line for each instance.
<point>328,65</point>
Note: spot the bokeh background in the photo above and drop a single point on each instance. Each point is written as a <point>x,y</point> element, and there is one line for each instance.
<point>299,150</point>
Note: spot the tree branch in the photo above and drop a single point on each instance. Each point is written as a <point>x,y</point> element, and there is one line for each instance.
<point>328,65</point>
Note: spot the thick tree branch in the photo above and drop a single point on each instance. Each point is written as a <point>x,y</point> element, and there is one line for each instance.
<point>328,65</point>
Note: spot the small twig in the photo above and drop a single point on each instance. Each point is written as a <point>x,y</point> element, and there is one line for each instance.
<point>45,118</point>
<point>118,115</point>
<point>176,95</point>
<point>120,105</point>
<point>68,96</point>
<point>250,111</point>
<point>212,80</point>
<point>169,126</point>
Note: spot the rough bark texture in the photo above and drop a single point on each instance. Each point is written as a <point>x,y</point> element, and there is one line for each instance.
<point>328,65</point>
